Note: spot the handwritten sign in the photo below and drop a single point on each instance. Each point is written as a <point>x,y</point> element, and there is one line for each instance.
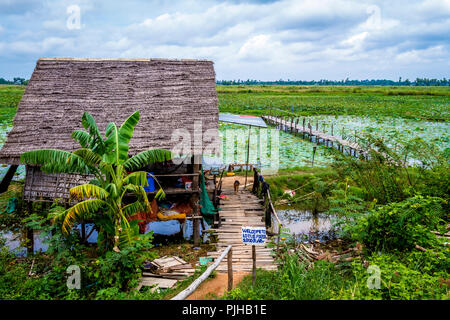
<point>254,235</point>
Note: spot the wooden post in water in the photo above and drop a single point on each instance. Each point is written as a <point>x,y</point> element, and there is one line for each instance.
<point>303,131</point>
<point>230,269</point>
<point>254,265</point>
<point>314,153</point>
<point>296,127</point>
<point>83,232</point>
<point>332,129</point>
<point>310,131</point>
<point>29,232</point>
<point>30,241</point>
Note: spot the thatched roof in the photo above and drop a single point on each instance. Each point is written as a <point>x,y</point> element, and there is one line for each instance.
<point>170,94</point>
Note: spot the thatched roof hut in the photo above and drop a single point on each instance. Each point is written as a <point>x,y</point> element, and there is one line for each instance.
<point>170,95</point>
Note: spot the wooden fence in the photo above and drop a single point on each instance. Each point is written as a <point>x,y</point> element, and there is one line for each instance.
<point>262,189</point>
<point>291,123</point>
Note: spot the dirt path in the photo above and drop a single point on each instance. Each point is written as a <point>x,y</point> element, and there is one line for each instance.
<point>216,286</point>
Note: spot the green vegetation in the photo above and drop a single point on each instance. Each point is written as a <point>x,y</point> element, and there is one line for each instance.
<point>110,276</point>
<point>427,103</point>
<point>10,95</point>
<point>394,207</point>
<point>103,199</point>
<point>396,214</point>
<point>294,281</point>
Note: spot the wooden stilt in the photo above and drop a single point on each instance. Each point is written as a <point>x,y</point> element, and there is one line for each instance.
<point>29,232</point>
<point>7,178</point>
<point>230,269</point>
<point>314,153</point>
<point>254,265</point>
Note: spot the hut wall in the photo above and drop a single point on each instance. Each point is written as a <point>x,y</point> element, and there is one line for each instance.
<point>48,187</point>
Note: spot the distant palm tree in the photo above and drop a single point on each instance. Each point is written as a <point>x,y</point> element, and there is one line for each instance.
<point>102,200</point>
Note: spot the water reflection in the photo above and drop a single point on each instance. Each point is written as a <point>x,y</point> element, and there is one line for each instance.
<point>164,232</point>
<point>14,239</point>
<point>307,226</point>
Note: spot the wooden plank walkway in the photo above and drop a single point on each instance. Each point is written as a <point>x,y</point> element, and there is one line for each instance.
<point>326,138</point>
<point>242,210</point>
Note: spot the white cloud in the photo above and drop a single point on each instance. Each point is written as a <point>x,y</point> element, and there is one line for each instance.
<point>260,47</point>
<point>289,38</point>
<point>422,56</point>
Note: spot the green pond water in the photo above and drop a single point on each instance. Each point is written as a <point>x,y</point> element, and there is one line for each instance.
<point>288,150</point>
<point>294,151</point>
<point>6,120</point>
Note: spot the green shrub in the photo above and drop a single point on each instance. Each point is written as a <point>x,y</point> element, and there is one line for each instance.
<point>398,280</point>
<point>400,226</point>
<point>122,269</point>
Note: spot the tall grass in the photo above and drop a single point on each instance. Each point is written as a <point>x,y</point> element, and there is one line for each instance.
<point>294,281</point>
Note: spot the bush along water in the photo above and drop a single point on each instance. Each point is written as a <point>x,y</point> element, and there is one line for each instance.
<point>397,214</point>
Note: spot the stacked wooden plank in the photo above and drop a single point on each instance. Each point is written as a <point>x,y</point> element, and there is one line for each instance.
<point>165,272</point>
<point>242,210</point>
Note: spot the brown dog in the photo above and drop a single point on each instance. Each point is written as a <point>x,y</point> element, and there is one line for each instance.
<point>236,186</point>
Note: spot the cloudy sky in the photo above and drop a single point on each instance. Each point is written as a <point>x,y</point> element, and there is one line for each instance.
<point>264,40</point>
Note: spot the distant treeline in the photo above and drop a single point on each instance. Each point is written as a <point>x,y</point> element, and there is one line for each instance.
<point>346,82</point>
<point>19,81</point>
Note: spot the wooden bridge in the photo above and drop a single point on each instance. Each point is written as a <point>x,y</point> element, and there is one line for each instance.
<point>243,209</point>
<point>306,130</point>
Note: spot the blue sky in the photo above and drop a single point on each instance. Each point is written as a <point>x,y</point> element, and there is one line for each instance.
<point>264,40</point>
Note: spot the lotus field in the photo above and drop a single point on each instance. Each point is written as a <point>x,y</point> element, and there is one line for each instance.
<point>395,113</point>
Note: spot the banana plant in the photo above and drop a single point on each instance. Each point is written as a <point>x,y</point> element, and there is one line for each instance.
<point>107,159</point>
